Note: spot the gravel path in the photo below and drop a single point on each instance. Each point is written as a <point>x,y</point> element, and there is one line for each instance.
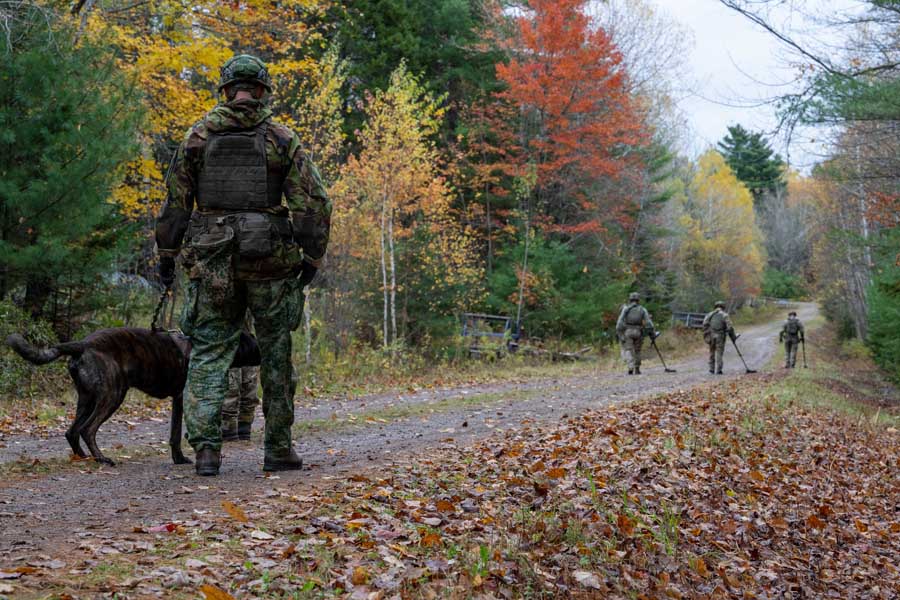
<point>48,512</point>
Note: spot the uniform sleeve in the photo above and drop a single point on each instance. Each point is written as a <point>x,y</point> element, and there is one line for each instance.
<point>648,319</point>
<point>729,326</point>
<point>175,216</point>
<point>800,325</point>
<point>706,319</point>
<point>309,204</point>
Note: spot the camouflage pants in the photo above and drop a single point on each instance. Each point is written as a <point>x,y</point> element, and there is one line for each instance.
<point>213,319</point>
<point>790,352</point>
<point>631,347</point>
<point>241,399</point>
<point>716,352</point>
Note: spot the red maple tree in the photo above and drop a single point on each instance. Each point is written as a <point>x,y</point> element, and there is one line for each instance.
<point>577,123</point>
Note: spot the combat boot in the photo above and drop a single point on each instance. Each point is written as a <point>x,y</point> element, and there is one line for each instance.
<point>230,432</point>
<point>637,370</point>
<point>282,461</point>
<point>208,461</point>
<point>631,371</point>
<point>243,431</point>
<point>719,372</point>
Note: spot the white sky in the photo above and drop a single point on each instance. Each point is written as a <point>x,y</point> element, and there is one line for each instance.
<point>736,62</point>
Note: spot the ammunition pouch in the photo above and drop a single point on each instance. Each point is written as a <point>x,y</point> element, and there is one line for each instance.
<point>209,259</point>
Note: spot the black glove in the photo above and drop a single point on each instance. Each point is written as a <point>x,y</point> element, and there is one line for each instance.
<point>307,274</point>
<point>781,337</point>
<point>732,335</point>
<point>167,270</point>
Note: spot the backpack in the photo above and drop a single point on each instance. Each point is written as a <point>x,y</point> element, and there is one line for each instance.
<point>792,326</point>
<point>717,322</point>
<point>634,318</point>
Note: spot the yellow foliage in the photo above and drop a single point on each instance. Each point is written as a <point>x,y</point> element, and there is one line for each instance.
<point>173,51</point>
<point>722,246</point>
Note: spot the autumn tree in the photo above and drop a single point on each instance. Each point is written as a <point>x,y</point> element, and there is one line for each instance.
<point>721,252</point>
<point>394,187</point>
<point>577,120</point>
<point>67,118</point>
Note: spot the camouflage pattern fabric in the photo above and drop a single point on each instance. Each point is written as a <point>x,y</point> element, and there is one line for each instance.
<point>790,352</point>
<point>716,351</point>
<point>241,399</point>
<point>276,307</point>
<point>307,202</point>
<point>632,322</point>
<point>716,326</point>
<point>632,343</point>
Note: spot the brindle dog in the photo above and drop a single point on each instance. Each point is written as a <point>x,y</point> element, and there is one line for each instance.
<point>108,362</point>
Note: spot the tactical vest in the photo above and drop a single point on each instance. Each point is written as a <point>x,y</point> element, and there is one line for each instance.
<point>792,327</point>
<point>235,175</point>
<point>634,318</point>
<point>717,322</point>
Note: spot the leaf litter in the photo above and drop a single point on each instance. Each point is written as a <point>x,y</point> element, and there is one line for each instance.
<point>715,492</point>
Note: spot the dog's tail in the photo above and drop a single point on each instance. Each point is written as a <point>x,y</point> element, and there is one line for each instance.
<point>42,356</point>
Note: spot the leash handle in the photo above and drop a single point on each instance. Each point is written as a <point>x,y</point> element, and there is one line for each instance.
<point>154,327</point>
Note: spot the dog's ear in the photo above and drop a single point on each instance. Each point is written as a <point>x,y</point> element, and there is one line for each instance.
<point>247,354</point>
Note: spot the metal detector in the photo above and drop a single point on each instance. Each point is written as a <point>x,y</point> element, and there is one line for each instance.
<point>748,369</point>
<point>662,360</point>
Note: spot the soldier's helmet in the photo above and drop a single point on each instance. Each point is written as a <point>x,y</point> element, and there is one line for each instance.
<point>792,314</point>
<point>634,297</point>
<point>245,68</point>
<point>720,304</point>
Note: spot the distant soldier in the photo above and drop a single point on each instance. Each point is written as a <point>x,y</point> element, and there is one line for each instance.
<point>633,321</point>
<point>241,399</point>
<point>716,325</point>
<point>792,334</point>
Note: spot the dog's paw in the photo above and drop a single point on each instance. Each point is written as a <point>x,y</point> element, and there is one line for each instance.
<point>182,460</point>
<point>106,461</point>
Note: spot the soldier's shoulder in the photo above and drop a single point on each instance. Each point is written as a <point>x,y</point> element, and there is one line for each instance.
<point>197,133</point>
<point>280,131</point>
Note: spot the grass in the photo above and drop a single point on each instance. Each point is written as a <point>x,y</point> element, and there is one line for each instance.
<point>406,411</point>
<point>840,377</point>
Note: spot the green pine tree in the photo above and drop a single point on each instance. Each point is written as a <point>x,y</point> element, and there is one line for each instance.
<point>753,161</point>
<point>67,123</point>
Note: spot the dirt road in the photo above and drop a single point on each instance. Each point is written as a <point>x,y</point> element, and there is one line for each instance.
<point>48,512</point>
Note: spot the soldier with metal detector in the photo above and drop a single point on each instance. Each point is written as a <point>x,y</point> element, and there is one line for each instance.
<point>792,334</point>
<point>634,322</point>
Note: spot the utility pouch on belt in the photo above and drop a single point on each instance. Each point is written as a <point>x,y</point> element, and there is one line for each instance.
<point>212,263</point>
<point>260,234</point>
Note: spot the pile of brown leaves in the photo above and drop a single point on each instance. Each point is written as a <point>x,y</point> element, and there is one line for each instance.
<point>707,493</point>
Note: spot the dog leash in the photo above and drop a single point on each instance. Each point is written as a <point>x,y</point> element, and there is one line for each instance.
<point>154,327</point>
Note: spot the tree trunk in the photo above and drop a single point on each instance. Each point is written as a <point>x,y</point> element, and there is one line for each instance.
<point>384,281</point>
<point>393,281</point>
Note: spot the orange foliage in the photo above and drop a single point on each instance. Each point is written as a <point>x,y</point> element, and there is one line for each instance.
<point>569,83</point>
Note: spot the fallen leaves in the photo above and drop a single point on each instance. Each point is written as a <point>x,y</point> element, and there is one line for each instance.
<point>696,494</point>
<point>235,511</point>
<point>211,592</point>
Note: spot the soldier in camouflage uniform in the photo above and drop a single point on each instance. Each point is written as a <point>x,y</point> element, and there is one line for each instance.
<point>633,322</point>
<point>252,212</point>
<point>716,325</point>
<point>239,407</point>
<point>792,333</point>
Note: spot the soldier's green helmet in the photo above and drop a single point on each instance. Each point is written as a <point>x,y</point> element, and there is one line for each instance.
<point>634,297</point>
<point>720,304</point>
<point>244,68</point>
